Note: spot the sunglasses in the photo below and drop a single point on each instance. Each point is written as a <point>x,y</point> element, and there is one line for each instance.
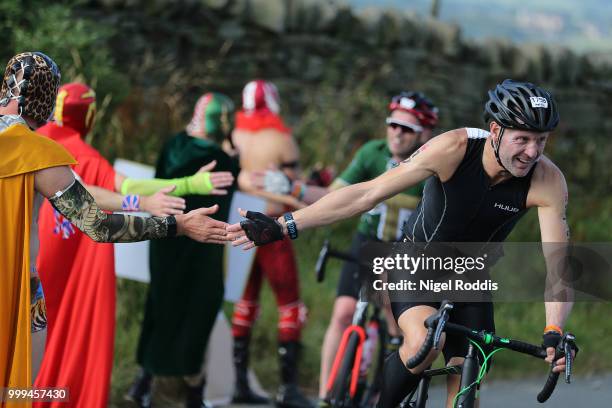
<point>405,127</point>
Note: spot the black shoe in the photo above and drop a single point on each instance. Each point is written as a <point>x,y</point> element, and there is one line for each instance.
<point>243,394</point>
<point>247,396</point>
<point>194,397</point>
<point>140,391</point>
<point>290,396</point>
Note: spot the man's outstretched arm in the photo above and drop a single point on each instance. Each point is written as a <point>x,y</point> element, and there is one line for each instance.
<point>75,203</point>
<point>358,198</point>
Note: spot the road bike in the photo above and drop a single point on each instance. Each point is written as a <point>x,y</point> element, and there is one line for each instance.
<point>470,371</point>
<point>348,386</point>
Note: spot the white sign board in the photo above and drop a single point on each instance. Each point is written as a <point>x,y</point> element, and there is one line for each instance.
<point>132,260</point>
<point>238,262</point>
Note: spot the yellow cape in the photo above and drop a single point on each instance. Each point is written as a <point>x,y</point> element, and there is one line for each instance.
<point>22,153</point>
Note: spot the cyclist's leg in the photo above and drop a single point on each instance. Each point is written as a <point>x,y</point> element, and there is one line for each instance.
<point>411,322</point>
<point>342,315</point>
<point>477,316</point>
<point>398,381</point>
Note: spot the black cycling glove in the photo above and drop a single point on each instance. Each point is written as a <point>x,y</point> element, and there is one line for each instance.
<point>261,229</point>
<point>551,339</point>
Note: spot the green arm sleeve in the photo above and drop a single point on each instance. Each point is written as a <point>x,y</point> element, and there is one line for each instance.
<point>197,184</point>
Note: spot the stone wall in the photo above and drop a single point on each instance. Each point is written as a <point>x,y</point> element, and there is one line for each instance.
<point>335,69</point>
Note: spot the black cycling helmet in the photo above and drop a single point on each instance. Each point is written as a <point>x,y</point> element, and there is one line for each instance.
<point>522,105</point>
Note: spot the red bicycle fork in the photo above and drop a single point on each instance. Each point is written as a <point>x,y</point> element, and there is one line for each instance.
<point>356,364</point>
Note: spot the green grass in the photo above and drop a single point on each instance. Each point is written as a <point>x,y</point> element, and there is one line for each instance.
<point>523,321</point>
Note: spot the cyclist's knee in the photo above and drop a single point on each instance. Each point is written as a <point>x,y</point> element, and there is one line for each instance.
<point>410,349</point>
<point>414,332</point>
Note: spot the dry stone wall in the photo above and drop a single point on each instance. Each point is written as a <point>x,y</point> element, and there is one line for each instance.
<point>335,69</point>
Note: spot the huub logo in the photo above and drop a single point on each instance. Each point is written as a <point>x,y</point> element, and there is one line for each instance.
<point>506,207</point>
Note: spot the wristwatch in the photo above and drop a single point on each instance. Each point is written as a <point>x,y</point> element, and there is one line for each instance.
<point>291,227</point>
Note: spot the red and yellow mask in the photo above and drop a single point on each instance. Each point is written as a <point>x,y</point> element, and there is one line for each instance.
<point>76,107</point>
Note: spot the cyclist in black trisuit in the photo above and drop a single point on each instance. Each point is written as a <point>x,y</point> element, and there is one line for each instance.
<point>483,182</point>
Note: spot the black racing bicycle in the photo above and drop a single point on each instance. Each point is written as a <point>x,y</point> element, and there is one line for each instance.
<point>471,372</point>
<point>356,375</point>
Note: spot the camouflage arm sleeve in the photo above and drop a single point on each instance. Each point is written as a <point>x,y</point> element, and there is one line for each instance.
<point>78,206</point>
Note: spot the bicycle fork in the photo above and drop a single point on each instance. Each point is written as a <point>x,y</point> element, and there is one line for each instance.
<point>356,363</point>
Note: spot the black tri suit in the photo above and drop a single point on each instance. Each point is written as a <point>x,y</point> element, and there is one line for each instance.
<point>467,208</point>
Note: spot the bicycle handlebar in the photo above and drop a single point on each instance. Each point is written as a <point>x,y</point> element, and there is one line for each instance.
<point>326,253</point>
<point>322,261</point>
<point>438,323</point>
<point>440,316</point>
<point>564,348</point>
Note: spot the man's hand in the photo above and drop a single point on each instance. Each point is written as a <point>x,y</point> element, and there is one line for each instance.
<point>550,340</point>
<point>257,179</point>
<point>198,226</point>
<point>161,204</point>
<point>257,229</point>
<point>218,179</point>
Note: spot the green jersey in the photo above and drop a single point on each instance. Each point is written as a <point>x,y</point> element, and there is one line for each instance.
<point>384,221</point>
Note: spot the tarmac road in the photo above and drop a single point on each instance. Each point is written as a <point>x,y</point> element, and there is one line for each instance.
<point>583,392</point>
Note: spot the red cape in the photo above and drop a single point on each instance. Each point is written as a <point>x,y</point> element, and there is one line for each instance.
<point>78,277</point>
<point>258,120</point>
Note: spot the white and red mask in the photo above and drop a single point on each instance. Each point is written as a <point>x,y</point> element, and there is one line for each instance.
<point>259,96</point>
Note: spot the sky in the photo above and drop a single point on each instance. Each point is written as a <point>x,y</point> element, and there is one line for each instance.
<point>584,25</point>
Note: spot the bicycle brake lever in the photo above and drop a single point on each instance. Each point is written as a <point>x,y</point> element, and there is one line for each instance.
<point>568,345</point>
<point>441,324</point>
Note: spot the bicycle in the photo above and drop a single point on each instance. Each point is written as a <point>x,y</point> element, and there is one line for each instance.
<point>471,374</point>
<point>348,384</point>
